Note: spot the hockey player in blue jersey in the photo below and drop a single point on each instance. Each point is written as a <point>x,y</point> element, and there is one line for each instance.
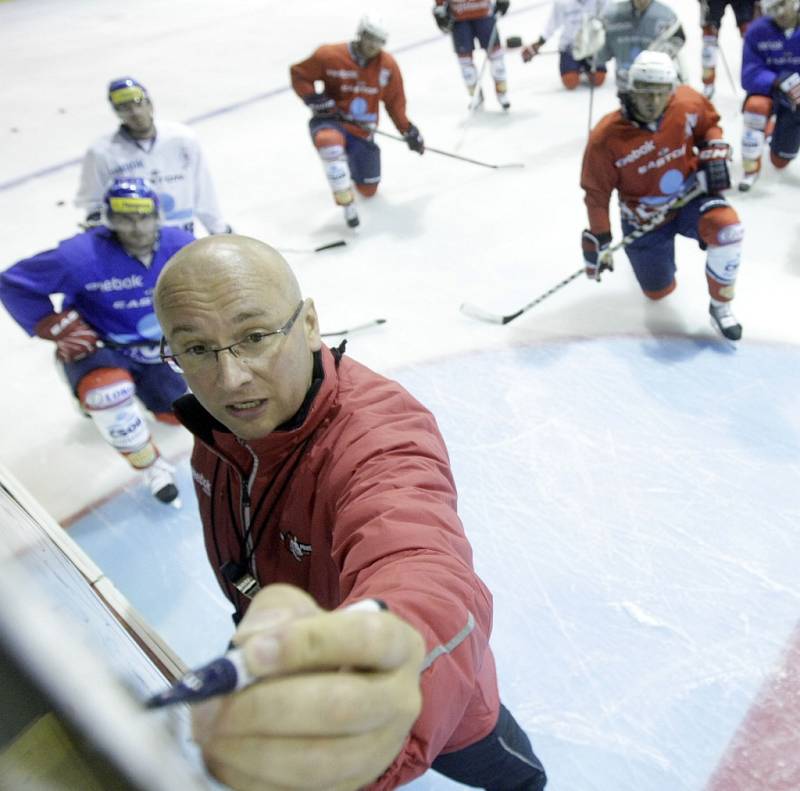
<point>771,77</point>
<point>106,333</point>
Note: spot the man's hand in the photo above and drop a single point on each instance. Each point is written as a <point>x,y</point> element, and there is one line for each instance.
<point>596,258</point>
<point>532,50</point>
<point>790,88</point>
<point>321,105</point>
<point>73,337</point>
<point>444,20</point>
<point>339,694</point>
<point>414,139</point>
<point>714,156</point>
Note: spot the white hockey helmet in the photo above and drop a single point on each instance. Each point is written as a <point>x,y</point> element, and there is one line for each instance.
<point>653,68</point>
<point>374,26</point>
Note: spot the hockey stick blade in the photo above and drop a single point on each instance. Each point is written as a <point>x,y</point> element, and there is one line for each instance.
<point>365,326</point>
<point>303,250</point>
<point>474,312</point>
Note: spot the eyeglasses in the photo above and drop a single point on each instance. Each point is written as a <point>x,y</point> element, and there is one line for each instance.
<point>255,345</point>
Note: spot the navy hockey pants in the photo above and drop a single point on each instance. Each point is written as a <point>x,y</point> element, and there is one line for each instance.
<point>502,761</point>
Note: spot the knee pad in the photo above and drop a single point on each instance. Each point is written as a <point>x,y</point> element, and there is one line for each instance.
<point>107,395</point>
<point>497,63</point>
<point>329,143</point>
<point>468,70</point>
<point>757,109</point>
<point>722,266</point>
<point>719,225</point>
<point>597,78</point>
<point>778,161</point>
<point>570,79</point>
<point>662,292</point>
<point>367,190</point>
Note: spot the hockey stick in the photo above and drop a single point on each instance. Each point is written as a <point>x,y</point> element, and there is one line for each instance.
<point>477,94</point>
<point>453,156</point>
<point>328,246</point>
<point>728,71</point>
<point>365,326</point>
<point>473,311</point>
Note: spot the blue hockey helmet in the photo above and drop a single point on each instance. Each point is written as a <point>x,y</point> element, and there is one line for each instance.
<point>131,196</point>
<point>126,89</point>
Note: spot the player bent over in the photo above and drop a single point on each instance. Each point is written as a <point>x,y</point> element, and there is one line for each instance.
<point>356,77</point>
<point>106,334</point>
<point>576,18</point>
<point>650,152</point>
<point>711,13</point>
<point>771,77</point>
<point>468,20</point>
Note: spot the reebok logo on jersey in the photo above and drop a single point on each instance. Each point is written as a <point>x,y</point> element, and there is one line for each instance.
<point>116,284</point>
<point>298,549</point>
<point>637,153</point>
<point>202,482</point>
<point>342,74</point>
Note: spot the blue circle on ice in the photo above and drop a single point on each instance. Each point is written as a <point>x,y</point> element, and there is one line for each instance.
<point>671,182</point>
<point>149,327</point>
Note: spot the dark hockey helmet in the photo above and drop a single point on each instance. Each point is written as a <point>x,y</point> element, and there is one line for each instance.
<point>131,196</point>
<point>126,89</point>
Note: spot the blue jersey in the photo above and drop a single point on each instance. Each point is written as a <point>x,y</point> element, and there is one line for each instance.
<point>769,55</point>
<point>112,291</point>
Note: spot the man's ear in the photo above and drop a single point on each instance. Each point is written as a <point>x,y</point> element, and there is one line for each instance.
<point>311,327</point>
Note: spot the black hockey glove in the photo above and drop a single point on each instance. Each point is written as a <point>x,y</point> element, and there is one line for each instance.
<point>92,220</point>
<point>714,156</point>
<point>596,258</point>
<point>441,13</point>
<point>790,90</point>
<point>532,50</point>
<point>321,105</point>
<point>501,7</point>
<point>414,139</point>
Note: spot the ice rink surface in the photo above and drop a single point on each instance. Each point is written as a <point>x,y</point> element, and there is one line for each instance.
<point>629,483</point>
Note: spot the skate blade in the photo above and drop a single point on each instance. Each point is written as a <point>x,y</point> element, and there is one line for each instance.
<point>729,342</point>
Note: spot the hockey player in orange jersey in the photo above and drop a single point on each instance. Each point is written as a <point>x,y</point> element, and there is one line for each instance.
<point>357,76</point>
<point>468,21</point>
<point>650,151</point>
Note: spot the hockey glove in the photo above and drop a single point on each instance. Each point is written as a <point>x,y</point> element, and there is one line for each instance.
<point>790,88</point>
<point>501,7</point>
<point>73,337</point>
<point>596,258</point>
<point>532,50</point>
<point>714,157</point>
<point>92,220</point>
<point>441,13</point>
<point>321,105</point>
<point>414,139</point>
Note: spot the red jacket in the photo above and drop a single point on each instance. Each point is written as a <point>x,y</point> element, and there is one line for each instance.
<point>355,499</point>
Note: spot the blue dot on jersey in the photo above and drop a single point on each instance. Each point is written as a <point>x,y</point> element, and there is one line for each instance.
<point>358,107</point>
<point>671,182</point>
<point>149,327</point>
<point>166,201</point>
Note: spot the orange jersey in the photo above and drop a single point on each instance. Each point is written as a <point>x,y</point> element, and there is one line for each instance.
<point>356,89</point>
<point>647,168</point>
<point>468,9</point>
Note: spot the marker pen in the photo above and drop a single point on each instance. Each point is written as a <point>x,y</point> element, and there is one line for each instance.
<point>228,673</point>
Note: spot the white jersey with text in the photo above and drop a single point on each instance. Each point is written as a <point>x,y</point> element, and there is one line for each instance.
<point>174,165</point>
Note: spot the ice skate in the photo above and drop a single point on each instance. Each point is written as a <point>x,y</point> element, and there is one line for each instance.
<point>161,480</point>
<point>723,320</point>
<point>477,100</point>
<point>747,181</point>
<point>351,215</point>
<point>504,101</point>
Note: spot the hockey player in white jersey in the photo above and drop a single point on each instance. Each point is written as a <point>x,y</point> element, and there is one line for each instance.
<point>575,18</point>
<point>166,153</point>
<point>632,26</point>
